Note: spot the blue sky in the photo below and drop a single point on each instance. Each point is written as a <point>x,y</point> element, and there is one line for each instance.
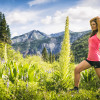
<point>48,16</point>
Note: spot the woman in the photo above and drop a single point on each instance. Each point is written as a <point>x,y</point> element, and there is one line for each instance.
<point>93,53</point>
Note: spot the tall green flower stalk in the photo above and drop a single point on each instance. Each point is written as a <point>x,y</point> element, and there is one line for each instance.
<point>5,52</point>
<point>64,59</point>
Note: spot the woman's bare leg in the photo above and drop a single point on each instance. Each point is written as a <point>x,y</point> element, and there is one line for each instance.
<point>80,67</point>
<point>97,71</point>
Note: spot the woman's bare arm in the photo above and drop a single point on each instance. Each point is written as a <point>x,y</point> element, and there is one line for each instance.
<point>93,19</point>
<point>98,22</point>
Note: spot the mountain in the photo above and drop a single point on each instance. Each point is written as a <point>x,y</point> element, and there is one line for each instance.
<point>33,42</point>
<point>80,48</point>
<point>58,34</point>
<point>33,35</point>
<point>75,35</point>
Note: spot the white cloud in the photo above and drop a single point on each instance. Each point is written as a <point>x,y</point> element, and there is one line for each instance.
<point>89,3</point>
<point>58,18</point>
<point>21,22</point>
<point>47,20</point>
<point>21,17</point>
<point>21,29</point>
<point>83,13</point>
<point>51,28</point>
<point>24,21</point>
<point>78,18</point>
<point>35,2</point>
<point>14,34</point>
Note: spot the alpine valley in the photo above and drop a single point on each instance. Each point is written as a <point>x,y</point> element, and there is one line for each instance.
<point>34,41</point>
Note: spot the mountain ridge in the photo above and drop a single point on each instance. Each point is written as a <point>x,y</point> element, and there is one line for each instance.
<point>29,44</point>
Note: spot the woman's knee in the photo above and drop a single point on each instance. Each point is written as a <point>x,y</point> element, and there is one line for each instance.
<point>82,66</point>
<point>76,70</point>
<point>98,76</point>
<point>98,72</point>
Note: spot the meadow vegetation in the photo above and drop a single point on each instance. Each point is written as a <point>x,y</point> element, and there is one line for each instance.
<point>32,78</point>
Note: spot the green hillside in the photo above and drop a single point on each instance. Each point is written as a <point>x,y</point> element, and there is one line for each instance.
<point>80,48</point>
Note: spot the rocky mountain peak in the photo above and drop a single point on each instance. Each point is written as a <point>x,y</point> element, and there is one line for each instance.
<point>32,35</point>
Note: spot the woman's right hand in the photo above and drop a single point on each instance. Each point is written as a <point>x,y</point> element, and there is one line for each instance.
<point>95,18</point>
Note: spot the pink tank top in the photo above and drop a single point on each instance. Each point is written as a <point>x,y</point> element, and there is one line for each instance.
<point>94,48</point>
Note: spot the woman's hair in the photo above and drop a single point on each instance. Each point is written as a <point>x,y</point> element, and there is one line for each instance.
<point>95,31</point>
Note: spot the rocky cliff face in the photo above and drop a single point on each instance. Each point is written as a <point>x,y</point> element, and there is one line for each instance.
<point>33,35</point>
<point>34,42</point>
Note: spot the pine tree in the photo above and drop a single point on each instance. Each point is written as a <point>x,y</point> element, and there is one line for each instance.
<point>50,57</point>
<point>1,36</point>
<point>4,34</point>
<point>4,30</point>
<point>53,58</point>
<point>45,54</point>
<point>8,35</point>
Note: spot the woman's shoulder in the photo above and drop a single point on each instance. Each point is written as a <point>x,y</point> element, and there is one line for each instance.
<point>92,38</point>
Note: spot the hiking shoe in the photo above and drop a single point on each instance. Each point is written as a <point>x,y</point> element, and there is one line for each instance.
<point>75,89</point>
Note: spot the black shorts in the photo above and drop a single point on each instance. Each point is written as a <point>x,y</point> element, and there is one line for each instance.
<point>96,64</point>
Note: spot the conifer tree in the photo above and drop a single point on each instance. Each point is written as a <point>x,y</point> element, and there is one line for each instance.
<point>4,34</point>
<point>50,57</point>
<point>1,36</point>
<point>8,35</point>
<point>4,30</point>
<point>44,54</point>
<point>53,58</point>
